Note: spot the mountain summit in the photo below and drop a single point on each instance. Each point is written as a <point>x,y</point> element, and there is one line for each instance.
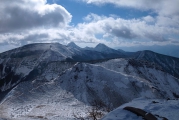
<point>101,47</point>
<point>107,50</point>
<point>73,45</point>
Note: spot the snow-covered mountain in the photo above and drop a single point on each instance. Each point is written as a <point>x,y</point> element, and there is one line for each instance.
<point>16,64</point>
<point>73,45</point>
<point>161,109</point>
<point>102,48</point>
<point>169,64</point>
<point>49,81</point>
<point>147,72</point>
<point>100,52</point>
<point>76,88</point>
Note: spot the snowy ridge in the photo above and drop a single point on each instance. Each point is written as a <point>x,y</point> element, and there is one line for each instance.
<point>158,107</point>
<point>47,81</point>
<point>74,89</point>
<point>73,45</point>
<point>19,63</point>
<point>149,72</point>
<point>168,64</point>
<point>96,79</point>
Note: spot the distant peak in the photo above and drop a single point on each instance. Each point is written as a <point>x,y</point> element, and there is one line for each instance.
<point>103,48</point>
<point>101,45</point>
<point>73,45</point>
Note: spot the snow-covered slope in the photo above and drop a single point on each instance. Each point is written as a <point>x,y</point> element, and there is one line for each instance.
<point>41,97</point>
<point>16,64</point>
<point>43,81</point>
<point>148,72</point>
<point>61,93</point>
<point>96,82</point>
<point>168,63</point>
<point>159,108</point>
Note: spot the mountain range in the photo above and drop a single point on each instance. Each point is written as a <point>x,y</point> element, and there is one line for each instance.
<point>55,81</point>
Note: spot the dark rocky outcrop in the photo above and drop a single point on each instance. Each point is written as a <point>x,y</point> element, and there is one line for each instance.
<point>140,112</point>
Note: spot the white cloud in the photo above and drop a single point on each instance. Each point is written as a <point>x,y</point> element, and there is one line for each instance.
<point>116,31</point>
<point>123,29</point>
<point>167,10</point>
<point>113,31</point>
<point>29,21</point>
<point>168,21</point>
<point>160,28</point>
<point>164,7</point>
<point>148,19</point>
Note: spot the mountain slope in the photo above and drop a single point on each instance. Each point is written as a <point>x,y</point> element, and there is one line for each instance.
<point>44,81</point>
<point>58,94</point>
<point>159,108</point>
<point>148,72</point>
<point>96,82</point>
<point>105,49</point>
<point>73,45</point>
<point>17,64</point>
<point>169,64</point>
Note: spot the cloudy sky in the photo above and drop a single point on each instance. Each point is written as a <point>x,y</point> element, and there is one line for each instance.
<point>116,23</point>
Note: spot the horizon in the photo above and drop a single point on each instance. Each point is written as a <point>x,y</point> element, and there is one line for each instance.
<point>156,48</point>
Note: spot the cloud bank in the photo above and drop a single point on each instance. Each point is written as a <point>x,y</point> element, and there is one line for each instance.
<point>29,21</point>
<point>162,7</point>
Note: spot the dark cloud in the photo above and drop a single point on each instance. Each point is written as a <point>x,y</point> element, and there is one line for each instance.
<point>23,19</point>
<point>123,32</point>
<point>29,38</point>
<point>34,38</point>
<point>15,17</point>
<point>156,37</point>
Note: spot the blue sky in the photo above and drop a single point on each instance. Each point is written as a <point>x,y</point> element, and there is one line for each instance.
<point>116,23</point>
<point>80,9</point>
